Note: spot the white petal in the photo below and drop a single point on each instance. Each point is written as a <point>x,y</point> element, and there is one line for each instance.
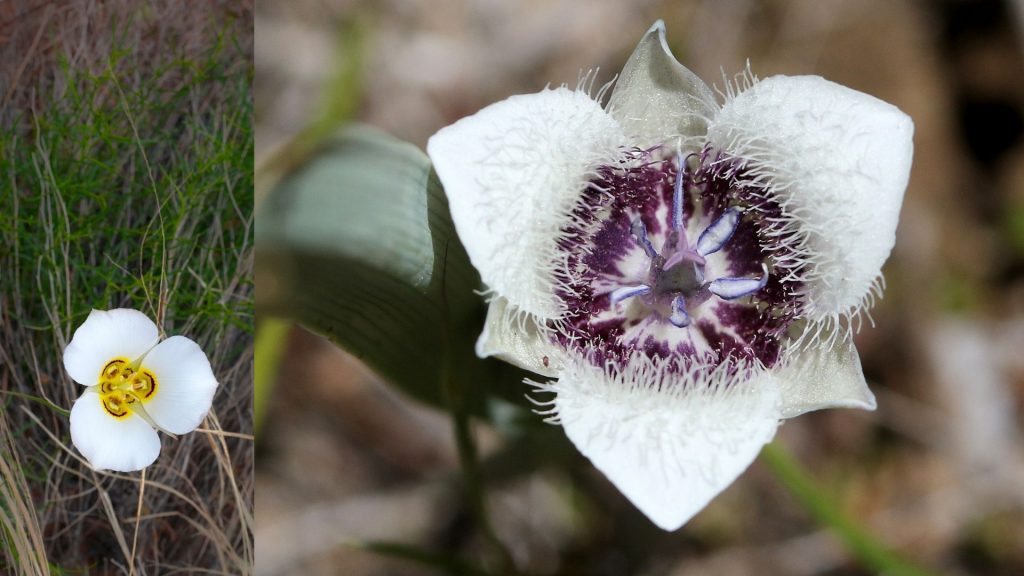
<point>824,377</point>
<point>838,161</point>
<point>513,173</point>
<point>516,338</point>
<point>185,384</point>
<point>669,442</point>
<point>656,98</point>
<point>106,335</point>
<point>109,443</point>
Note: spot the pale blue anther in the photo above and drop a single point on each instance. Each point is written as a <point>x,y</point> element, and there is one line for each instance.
<point>679,317</point>
<point>714,237</point>
<point>677,195</point>
<point>639,232</point>
<point>733,288</point>
<point>620,294</point>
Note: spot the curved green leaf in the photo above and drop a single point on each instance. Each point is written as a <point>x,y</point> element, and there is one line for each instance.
<point>358,245</point>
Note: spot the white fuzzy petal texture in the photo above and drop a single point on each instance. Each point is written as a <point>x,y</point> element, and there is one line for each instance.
<point>837,160</point>
<point>185,384</point>
<point>519,339</point>
<point>105,335</point>
<point>821,377</point>
<point>513,173</point>
<point>669,442</point>
<point>657,99</point>
<point>108,443</point>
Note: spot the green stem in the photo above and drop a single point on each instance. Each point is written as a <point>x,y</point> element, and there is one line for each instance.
<point>462,426</point>
<point>471,475</point>
<point>869,551</point>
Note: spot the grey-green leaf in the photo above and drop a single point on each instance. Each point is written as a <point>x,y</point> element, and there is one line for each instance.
<point>357,244</point>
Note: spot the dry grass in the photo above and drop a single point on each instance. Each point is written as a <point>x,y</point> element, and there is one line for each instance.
<point>21,532</point>
<point>125,180</point>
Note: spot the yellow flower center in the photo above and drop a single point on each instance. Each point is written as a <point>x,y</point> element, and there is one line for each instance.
<point>121,386</point>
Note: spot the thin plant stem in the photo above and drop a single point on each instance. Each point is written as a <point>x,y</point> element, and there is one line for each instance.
<point>860,543</point>
<point>462,427</point>
<point>471,475</point>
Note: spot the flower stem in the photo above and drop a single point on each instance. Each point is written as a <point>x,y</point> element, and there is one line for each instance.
<point>861,544</point>
<point>469,463</point>
<point>455,397</point>
<point>473,481</point>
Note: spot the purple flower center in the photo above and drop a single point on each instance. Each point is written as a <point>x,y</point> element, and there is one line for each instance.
<point>672,257</point>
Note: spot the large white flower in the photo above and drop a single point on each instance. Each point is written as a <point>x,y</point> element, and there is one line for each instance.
<point>136,385</point>
<point>687,271</point>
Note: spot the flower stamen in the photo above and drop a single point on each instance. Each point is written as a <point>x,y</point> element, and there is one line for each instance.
<point>123,387</point>
<point>639,232</point>
<point>715,236</point>
<point>620,294</point>
<point>677,198</point>
<point>733,288</point>
<point>684,241</point>
<point>665,280</point>
<point>679,317</point>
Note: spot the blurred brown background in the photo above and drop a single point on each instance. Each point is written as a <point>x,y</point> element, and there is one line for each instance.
<point>937,472</point>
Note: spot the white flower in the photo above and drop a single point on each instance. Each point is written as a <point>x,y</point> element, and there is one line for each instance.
<point>137,385</point>
<point>689,272</point>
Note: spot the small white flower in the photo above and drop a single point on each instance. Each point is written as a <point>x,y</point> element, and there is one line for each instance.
<point>137,385</point>
<point>688,271</point>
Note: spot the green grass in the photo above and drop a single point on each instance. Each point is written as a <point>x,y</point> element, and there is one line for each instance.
<point>126,181</point>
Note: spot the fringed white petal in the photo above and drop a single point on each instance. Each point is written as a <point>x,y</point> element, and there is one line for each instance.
<point>670,442</point>
<point>656,99</point>
<point>837,160</point>
<point>823,376</point>
<point>519,339</point>
<point>513,173</point>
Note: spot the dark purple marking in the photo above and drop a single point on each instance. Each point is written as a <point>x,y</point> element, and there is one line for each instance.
<point>623,219</point>
<point>724,345</point>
